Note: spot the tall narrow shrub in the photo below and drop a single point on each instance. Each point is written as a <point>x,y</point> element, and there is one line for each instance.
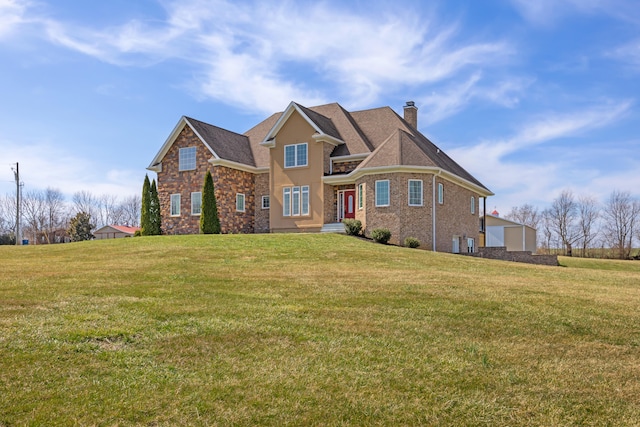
<point>209,221</point>
<point>145,208</point>
<point>155,221</point>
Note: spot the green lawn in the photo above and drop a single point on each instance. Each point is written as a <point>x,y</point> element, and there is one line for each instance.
<point>312,330</point>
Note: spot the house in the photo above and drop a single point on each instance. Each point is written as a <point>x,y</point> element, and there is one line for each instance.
<point>512,235</point>
<point>115,232</point>
<point>307,169</point>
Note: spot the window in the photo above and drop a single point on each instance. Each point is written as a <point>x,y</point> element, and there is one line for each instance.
<point>265,202</point>
<point>240,202</point>
<point>295,201</point>
<point>305,200</point>
<point>360,196</point>
<point>382,193</point>
<point>175,205</point>
<point>286,201</point>
<point>473,205</point>
<point>415,192</point>
<point>295,155</point>
<point>440,193</point>
<point>196,203</point>
<point>187,159</point>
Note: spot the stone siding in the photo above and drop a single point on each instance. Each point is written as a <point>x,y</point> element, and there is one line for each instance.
<point>261,224</point>
<point>345,167</point>
<point>227,182</point>
<point>501,253</point>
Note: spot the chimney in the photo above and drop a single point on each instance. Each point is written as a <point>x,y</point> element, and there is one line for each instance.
<point>411,114</point>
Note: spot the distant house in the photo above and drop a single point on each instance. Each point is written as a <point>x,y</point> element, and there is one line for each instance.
<point>115,232</point>
<point>514,236</point>
<point>307,169</point>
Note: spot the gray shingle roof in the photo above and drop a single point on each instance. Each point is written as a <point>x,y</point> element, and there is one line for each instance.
<point>226,144</point>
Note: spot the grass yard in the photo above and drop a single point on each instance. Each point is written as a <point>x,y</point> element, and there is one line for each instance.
<point>312,330</point>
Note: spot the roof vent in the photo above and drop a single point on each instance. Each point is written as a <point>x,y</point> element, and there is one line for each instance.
<point>411,114</point>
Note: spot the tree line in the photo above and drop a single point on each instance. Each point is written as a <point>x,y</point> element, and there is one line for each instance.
<point>46,215</point>
<point>583,226</point>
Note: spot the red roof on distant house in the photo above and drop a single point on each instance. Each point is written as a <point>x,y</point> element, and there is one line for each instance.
<point>495,213</point>
<point>125,228</point>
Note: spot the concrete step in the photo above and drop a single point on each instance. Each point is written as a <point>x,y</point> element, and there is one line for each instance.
<point>336,227</point>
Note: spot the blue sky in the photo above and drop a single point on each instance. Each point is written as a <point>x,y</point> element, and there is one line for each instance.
<point>531,97</point>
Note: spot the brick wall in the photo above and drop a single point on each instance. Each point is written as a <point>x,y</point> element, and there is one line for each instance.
<point>453,217</point>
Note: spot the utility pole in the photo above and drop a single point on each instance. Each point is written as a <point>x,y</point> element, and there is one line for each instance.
<point>16,173</point>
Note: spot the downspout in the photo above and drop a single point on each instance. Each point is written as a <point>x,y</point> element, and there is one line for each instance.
<point>433,209</point>
<point>484,220</point>
<point>524,248</point>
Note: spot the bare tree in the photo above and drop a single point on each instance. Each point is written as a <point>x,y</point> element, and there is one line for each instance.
<point>546,230</point>
<point>7,214</point>
<point>84,201</point>
<point>526,214</point>
<point>621,216</point>
<point>130,207</point>
<point>34,213</point>
<point>563,214</point>
<point>109,211</point>
<point>588,213</point>
<point>56,214</point>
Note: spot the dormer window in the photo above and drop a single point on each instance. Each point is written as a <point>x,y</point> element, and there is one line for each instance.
<point>187,159</point>
<point>295,155</point>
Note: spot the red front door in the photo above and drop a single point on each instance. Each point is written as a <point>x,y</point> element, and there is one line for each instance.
<point>349,204</point>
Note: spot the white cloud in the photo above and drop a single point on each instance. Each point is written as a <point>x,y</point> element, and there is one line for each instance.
<point>43,165</point>
<point>260,56</point>
<point>506,168</point>
<point>12,15</point>
<point>629,53</point>
<point>455,97</point>
<point>547,12</point>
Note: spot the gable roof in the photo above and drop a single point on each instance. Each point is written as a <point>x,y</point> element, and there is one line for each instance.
<point>221,143</point>
<point>117,228</point>
<point>379,133</point>
<point>224,144</point>
<point>324,127</point>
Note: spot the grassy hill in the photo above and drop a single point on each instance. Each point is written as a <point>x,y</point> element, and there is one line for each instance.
<point>311,330</point>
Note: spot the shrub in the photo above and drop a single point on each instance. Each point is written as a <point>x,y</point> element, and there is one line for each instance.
<point>381,235</point>
<point>353,227</point>
<point>411,242</point>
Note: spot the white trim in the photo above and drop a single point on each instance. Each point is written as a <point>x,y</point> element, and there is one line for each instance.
<point>269,140</point>
<point>350,158</point>
<point>171,205</point>
<point>375,195</point>
<point>153,166</point>
<point>360,196</point>
<point>323,137</point>
<point>267,197</point>
<point>239,166</point>
<point>244,201</point>
<point>351,177</point>
<point>440,193</point>
<point>182,159</point>
<point>199,213</point>
<point>295,155</point>
<point>409,192</point>
<point>473,205</point>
